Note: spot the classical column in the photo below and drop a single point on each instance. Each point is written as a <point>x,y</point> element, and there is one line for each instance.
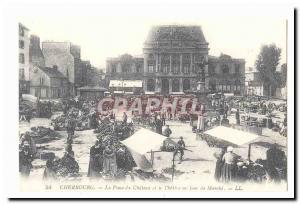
<point>191,65</point>
<point>170,63</point>
<point>156,62</point>
<point>159,63</point>
<point>170,85</point>
<point>180,85</point>
<point>181,70</point>
<point>145,63</point>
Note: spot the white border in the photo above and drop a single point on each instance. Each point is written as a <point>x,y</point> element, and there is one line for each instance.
<point>11,12</point>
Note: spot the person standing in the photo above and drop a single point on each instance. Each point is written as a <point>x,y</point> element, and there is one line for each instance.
<point>237,117</point>
<point>25,159</point>
<point>229,167</point>
<point>124,120</point>
<point>109,160</point>
<point>49,172</point>
<point>180,148</point>
<point>96,160</point>
<point>226,109</point>
<point>219,164</point>
<point>167,131</point>
<point>71,124</point>
<point>163,118</point>
<point>158,126</point>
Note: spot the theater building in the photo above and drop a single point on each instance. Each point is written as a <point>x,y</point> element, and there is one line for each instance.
<point>175,58</point>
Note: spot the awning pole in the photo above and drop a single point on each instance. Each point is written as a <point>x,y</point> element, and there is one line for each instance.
<point>173,166</point>
<point>249,151</point>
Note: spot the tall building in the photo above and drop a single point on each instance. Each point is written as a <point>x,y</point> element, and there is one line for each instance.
<point>173,56</point>
<point>23,59</point>
<point>67,57</point>
<point>36,56</point>
<point>225,74</point>
<point>125,67</point>
<point>48,82</point>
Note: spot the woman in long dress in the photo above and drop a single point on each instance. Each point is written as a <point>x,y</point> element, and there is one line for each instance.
<point>96,160</point>
<point>109,161</point>
<point>219,164</point>
<point>229,167</point>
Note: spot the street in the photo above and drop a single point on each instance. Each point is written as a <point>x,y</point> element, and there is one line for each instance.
<point>198,164</point>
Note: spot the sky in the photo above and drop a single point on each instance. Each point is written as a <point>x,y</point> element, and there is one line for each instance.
<point>105,36</point>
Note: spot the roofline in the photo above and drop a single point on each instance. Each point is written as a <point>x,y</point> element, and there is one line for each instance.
<point>20,24</point>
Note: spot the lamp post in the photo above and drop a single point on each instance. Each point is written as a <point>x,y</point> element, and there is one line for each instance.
<point>201,92</point>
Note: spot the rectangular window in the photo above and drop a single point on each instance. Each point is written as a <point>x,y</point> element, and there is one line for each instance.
<point>21,44</point>
<point>21,31</point>
<point>21,58</point>
<point>186,68</point>
<point>151,68</point>
<point>165,68</point>
<point>21,74</point>
<point>237,69</point>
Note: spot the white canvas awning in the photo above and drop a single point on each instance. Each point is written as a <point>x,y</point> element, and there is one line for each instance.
<point>144,141</point>
<point>149,93</point>
<point>115,83</point>
<point>118,92</point>
<point>231,135</point>
<point>126,83</point>
<point>133,83</point>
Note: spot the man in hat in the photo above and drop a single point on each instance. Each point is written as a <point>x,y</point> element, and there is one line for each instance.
<point>167,131</point>
<point>180,148</point>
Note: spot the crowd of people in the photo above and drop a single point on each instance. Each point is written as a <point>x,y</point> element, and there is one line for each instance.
<point>108,156</point>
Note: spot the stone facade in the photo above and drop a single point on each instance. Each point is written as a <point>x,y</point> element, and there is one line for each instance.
<point>173,57</point>
<point>48,82</point>
<point>45,82</point>
<point>125,67</point>
<point>66,57</point>
<point>36,56</point>
<point>24,66</point>
<point>95,77</point>
<point>253,84</point>
<point>225,74</point>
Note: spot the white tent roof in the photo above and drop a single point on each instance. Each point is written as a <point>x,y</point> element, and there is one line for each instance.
<point>231,135</point>
<point>144,141</point>
<point>126,83</point>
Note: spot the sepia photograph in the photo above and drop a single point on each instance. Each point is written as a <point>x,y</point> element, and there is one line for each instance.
<point>110,103</point>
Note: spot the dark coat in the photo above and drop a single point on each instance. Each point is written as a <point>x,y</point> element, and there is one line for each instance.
<point>96,161</point>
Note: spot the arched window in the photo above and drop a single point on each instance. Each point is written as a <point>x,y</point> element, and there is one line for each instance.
<point>225,69</point>
<point>186,84</point>
<point>175,63</point>
<point>151,63</point>
<point>175,85</point>
<point>151,85</point>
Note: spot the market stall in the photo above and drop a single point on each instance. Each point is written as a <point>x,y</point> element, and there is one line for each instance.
<point>142,142</point>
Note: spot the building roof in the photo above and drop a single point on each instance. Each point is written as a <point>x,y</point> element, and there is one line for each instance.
<point>52,72</point>
<point>24,27</point>
<point>176,32</point>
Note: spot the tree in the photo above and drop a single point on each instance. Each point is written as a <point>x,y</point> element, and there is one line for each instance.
<point>266,63</point>
<point>283,75</point>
